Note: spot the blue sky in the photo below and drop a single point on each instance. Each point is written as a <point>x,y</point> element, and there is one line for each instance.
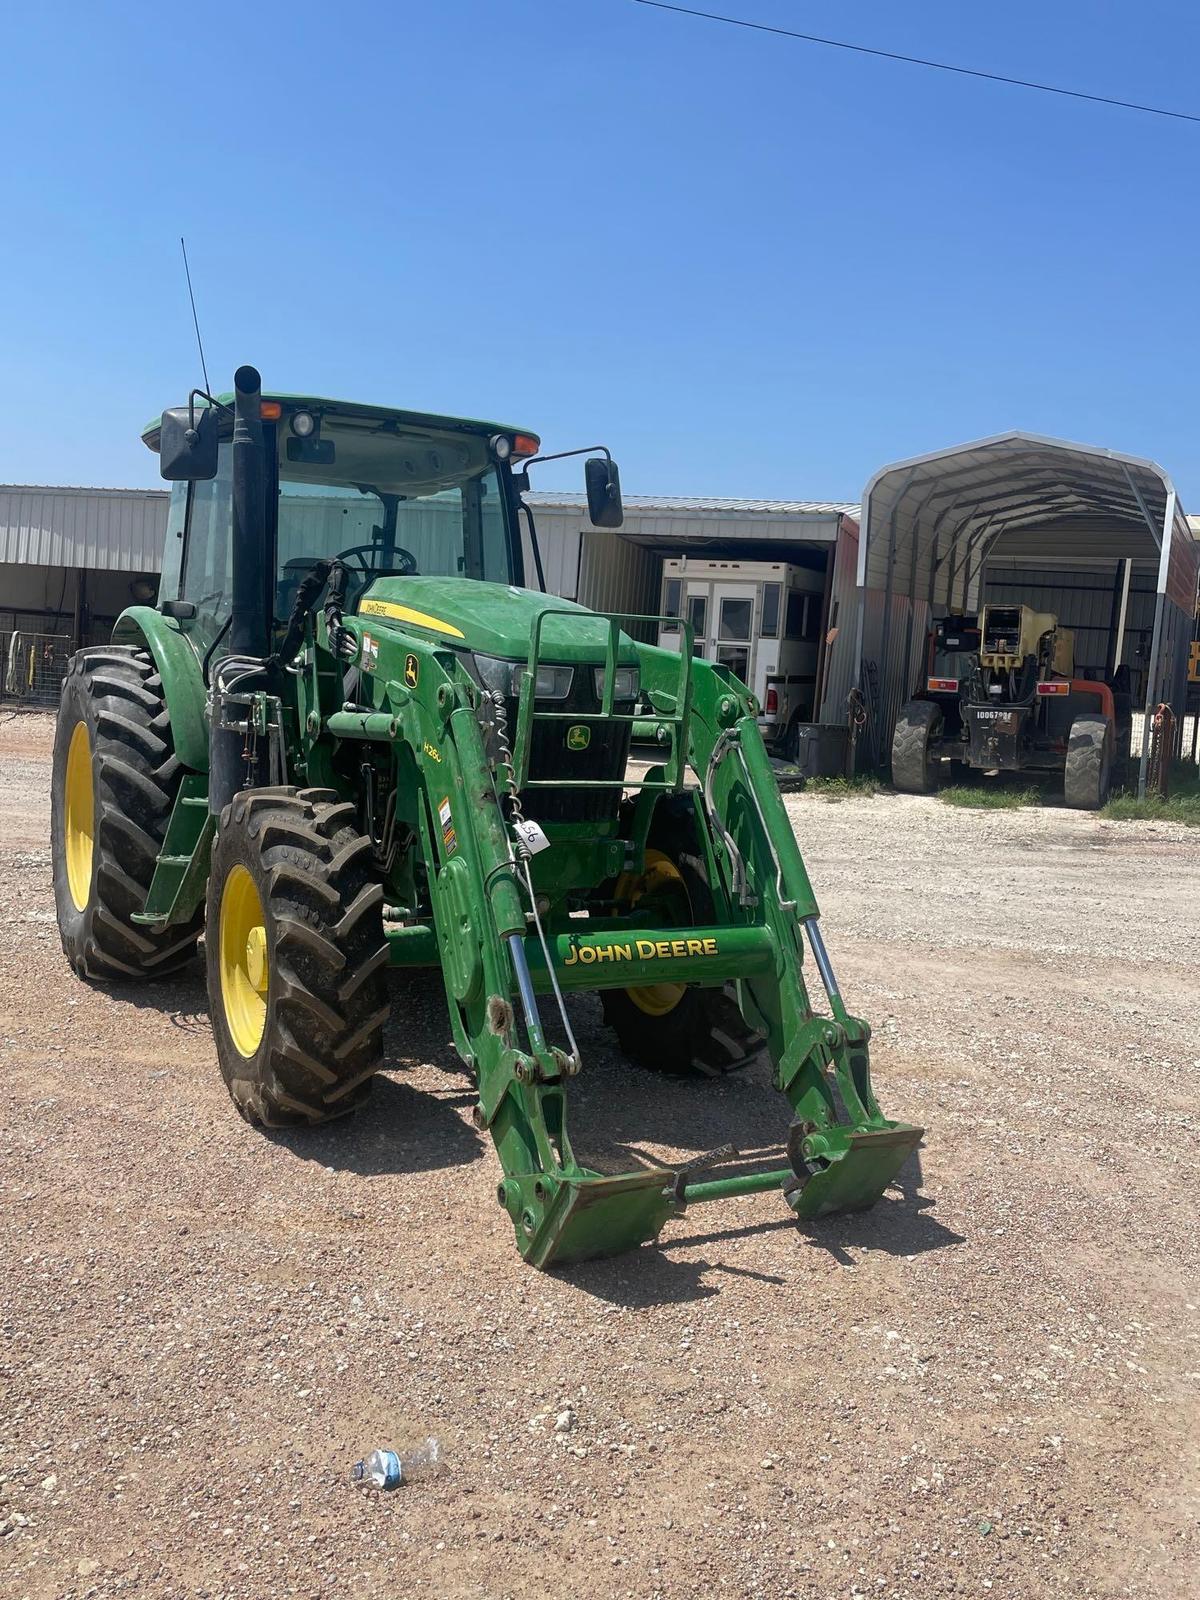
<point>749,266</point>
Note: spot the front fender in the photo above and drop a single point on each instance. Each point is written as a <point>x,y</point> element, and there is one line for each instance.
<point>183,681</point>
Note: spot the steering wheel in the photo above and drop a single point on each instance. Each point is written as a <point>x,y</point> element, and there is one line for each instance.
<point>362,573</point>
<point>403,565</point>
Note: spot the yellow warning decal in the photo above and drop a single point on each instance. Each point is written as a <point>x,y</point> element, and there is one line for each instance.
<point>642,949</point>
<point>419,619</point>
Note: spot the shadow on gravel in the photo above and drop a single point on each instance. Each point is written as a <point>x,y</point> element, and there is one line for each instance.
<point>182,1000</point>
<point>403,1128</point>
<point>650,1276</point>
<point>621,1117</point>
<point>642,1278</point>
<point>399,1130</point>
<point>897,1226</point>
<point>891,1228</point>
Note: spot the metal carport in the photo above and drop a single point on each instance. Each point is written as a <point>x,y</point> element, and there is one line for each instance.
<point>931,524</point>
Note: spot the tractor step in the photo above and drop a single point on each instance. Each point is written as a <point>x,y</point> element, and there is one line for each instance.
<point>181,871</point>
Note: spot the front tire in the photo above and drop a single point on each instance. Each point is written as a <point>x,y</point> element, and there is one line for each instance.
<point>115,780</point>
<point>918,729</point>
<point>296,953</point>
<point>678,1028</point>
<point>1087,776</point>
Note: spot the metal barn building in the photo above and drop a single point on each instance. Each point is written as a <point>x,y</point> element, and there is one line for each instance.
<point>1097,537</point>
<point>71,560</point>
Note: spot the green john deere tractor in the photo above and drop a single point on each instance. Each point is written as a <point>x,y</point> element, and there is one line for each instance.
<point>349,738</point>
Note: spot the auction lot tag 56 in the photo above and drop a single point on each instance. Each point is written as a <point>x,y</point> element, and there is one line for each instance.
<point>531,836</point>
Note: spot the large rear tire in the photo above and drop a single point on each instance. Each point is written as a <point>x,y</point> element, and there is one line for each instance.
<point>918,729</point>
<point>676,1027</point>
<point>114,781</point>
<point>1087,776</point>
<point>296,953</point>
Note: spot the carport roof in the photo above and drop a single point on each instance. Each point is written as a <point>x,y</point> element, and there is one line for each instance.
<point>930,523</point>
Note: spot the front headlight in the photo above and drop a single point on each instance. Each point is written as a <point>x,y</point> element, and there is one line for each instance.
<point>626,683</point>
<point>504,677</point>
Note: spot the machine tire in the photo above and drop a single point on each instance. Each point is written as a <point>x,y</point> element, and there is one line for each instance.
<point>702,1031</point>
<point>917,728</point>
<point>298,998</point>
<point>1087,776</point>
<point>115,777</point>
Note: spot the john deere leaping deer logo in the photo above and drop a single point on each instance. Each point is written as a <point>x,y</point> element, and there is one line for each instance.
<point>579,736</point>
<point>412,671</point>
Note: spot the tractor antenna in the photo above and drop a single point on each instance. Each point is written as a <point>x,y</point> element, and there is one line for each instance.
<point>195,318</point>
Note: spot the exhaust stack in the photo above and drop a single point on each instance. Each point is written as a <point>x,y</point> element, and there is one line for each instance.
<point>249,631</point>
<point>234,760</point>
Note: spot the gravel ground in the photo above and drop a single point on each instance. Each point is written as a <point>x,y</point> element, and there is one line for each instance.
<point>988,1385</point>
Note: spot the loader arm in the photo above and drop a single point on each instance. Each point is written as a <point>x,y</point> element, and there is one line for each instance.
<point>840,1152</point>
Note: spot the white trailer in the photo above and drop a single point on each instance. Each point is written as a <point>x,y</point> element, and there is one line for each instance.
<point>762,620</point>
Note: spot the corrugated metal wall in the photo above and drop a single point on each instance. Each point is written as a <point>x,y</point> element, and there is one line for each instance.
<point>116,530</point>
<point>841,669</point>
<point>559,536</point>
<point>597,568</point>
<point>616,576</point>
<point>886,626</point>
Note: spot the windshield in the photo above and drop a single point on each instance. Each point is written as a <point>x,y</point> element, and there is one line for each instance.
<point>956,664</point>
<point>388,502</point>
<point>384,503</point>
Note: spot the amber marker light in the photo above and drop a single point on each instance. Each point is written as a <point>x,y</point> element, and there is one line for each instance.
<point>270,410</point>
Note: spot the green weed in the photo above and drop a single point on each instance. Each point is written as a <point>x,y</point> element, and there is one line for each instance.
<point>1183,808</point>
<point>861,784</point>
<point>990,796</point>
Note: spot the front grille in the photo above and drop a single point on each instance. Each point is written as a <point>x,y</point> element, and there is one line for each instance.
<point>552,758</point>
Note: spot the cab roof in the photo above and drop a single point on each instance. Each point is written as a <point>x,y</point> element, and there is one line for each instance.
<point>351,408</point>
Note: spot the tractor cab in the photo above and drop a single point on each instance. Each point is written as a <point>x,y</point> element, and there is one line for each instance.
<point>951,654</point>
<point>387,493</point>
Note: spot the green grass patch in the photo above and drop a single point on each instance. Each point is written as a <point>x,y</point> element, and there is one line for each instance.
<point>860,784</point>
<point>1181,805</point>
<point>990,796</point>
<point>1184,808</point>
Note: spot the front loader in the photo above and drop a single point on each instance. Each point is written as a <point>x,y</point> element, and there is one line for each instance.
<point>348,738</point>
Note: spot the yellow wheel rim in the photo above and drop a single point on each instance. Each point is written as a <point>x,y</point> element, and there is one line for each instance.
<point>79,817</point>
<point>661,875</point>
<point>244,965</point>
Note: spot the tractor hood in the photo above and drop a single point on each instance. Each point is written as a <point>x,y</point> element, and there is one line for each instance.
<point>492,619</point>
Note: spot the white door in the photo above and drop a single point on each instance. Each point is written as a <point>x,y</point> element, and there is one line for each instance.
<point>731,628</point>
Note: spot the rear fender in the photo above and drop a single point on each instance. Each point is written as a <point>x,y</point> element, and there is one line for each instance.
<point>183,681</point>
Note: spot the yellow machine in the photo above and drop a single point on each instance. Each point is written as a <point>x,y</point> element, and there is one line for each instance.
<point>1010,634</point>
<point>1009,697</point>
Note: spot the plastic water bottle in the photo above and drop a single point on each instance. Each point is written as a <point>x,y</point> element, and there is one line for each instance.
<point>388,1469</point>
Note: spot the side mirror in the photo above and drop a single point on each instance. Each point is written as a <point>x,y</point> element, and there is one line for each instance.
<point>187,453</point>
<point>603,492</point>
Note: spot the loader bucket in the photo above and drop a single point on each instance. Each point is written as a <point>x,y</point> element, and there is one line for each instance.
<point>602,1216</point>
<point>852,1168</point>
